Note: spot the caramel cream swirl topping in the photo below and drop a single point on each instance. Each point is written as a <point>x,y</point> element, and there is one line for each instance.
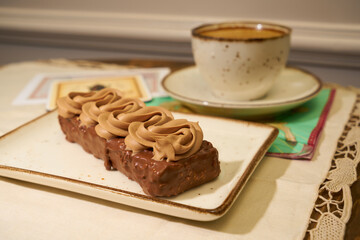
<point>171,141</point>
<point>143,127</point>
<point>71,105</point>
<point>92,110</point>
<point>68,107</point>
<point>116,123</point>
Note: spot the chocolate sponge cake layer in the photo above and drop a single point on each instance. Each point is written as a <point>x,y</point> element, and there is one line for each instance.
<point>157,178</point>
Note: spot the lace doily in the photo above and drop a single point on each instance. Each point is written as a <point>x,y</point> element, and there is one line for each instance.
<point>333,206</point>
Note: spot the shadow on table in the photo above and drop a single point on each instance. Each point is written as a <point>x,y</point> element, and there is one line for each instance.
<point>243,216</point>
<point>250,206</point>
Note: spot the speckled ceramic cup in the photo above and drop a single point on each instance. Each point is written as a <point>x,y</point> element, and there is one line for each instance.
<point>240,60</point>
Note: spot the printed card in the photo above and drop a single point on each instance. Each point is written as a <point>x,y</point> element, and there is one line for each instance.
<point>38,89</point>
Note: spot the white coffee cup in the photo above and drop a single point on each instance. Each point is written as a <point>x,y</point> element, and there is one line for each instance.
<point>240,60</point>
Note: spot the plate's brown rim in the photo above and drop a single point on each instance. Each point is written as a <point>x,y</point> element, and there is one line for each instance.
<point>25,124</point>
<point>218,211</point>
<point>242,105</point>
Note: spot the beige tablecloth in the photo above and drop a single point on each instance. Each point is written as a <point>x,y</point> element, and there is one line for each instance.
<point>275,204</point>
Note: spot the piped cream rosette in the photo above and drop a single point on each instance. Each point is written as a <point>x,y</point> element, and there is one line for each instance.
<point>116,123</point>
<point>92,110</point>
<point>172,141</point>
<point>71,105</point>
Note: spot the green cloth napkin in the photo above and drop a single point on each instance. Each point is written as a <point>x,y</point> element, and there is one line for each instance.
<point>299,128</point>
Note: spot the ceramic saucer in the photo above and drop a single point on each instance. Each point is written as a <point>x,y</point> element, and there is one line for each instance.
<point>292,88</point>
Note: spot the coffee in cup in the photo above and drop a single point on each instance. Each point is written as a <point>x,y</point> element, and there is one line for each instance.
<point>240,61</point>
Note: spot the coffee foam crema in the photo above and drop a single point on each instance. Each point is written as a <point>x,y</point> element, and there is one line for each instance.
<point>241,32</point>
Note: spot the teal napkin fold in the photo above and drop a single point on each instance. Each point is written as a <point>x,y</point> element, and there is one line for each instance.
<point>299,128</point>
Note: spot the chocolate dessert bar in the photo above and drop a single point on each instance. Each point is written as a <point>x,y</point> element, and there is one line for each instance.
<point>165,156</point>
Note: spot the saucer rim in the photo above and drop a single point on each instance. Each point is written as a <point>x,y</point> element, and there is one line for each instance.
<point>243,104</point>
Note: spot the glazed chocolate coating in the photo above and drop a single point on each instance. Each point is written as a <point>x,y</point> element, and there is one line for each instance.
<point>86,137</point>
<point>157,178</point>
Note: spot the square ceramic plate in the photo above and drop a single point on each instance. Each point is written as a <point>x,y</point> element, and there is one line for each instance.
<point>38,152</point>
